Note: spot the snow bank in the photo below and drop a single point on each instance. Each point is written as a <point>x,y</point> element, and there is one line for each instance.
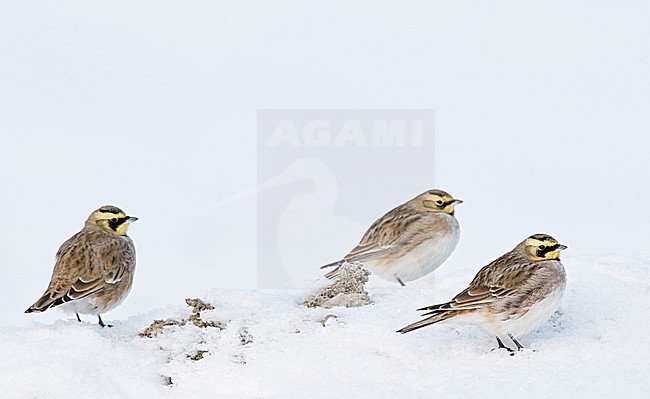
<point>270,345</point>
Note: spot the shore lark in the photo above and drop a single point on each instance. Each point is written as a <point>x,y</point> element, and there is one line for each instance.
<point>511,296</point>
<point>410,241</point>
<point>94,268</point>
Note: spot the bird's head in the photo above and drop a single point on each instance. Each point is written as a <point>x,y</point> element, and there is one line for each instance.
<point>111,219</point>
<point>541,247</point>
<point>438,201</point>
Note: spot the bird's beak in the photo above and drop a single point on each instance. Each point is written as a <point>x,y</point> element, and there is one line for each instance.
<point>131,219</point>
<point>457,201</point>
<point>561,247</point>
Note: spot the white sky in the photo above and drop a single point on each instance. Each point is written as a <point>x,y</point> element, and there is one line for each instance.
<point>541,125</point>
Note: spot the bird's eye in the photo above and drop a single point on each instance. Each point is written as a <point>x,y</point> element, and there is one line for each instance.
<point>542,247</point>
<point>114,220</point>
<point>439,202</point>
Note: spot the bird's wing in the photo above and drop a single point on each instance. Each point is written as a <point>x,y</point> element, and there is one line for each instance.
<point>471,298</point>
<point>81,271</point>
<point>362,253</point>
<point>500,279</point>
<point>118,260</point>
<point>359,254</point>
<point>495,281</point>
<point>386,235</point>
<point>390,228</point>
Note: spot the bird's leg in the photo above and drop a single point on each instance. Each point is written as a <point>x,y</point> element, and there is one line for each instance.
<point>502,346</point>
<point>78,318</point>
<point>519,346</point>
<point>399,280</point>
<point>101,322</point>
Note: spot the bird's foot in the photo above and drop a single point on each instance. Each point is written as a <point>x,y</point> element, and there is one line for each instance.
<point>101,322</point>
<point>510,351</point>
<point>502,346</point>
<point>520,347</point>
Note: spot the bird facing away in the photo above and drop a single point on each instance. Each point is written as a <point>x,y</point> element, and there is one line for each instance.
<point>94,268</point>
<point>410,241</point>
<point>511,296</point>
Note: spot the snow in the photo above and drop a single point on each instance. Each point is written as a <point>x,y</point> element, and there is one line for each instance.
<point>273,346</point>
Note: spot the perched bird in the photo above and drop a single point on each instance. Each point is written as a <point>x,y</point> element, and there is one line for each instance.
<point>513,295</point>
<point>410,241</point>
<point>94,268</point>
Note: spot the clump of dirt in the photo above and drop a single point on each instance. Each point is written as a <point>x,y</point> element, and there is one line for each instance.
<point>245,337</point>
<point>158,325</point>
<point>347,290</point>
<point>198,305</point>
<point>195,318</point>
<point>325,319</point>
<point>197,356</point>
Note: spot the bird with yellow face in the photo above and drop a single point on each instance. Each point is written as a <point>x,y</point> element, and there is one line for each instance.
<point>410,241</point>
<point>94,268</point>
<point>511,296</point>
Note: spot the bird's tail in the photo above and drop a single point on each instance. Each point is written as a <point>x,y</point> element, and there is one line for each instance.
<point>58,294</point>
<point>48,300</point>
<point>332,274</point>
<point>435,317</point>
